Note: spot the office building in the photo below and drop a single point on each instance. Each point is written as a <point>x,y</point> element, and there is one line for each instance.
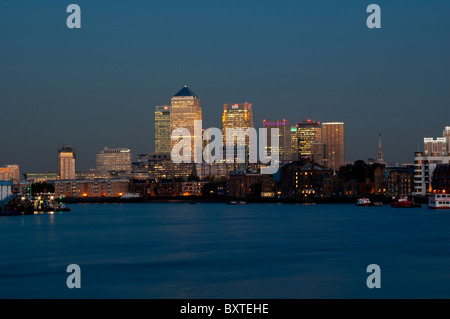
<point>284,138</point>
<point>308,132</point>
<point>114,160</point>
<point>294,143</point>
<point>162,129</point>
<point>236,116</point>
<point>66,163</point>
<point>333,139</point>
<point>185,109</point>
<point>9,173</point>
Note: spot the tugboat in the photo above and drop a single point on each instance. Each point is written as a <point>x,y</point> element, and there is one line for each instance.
<point>404,202</point>
<point>364,201</point>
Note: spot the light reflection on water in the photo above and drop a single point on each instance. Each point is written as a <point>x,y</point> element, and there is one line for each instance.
<point>226,251</point>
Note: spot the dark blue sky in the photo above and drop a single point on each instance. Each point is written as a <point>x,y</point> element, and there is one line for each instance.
<point>98,86</point>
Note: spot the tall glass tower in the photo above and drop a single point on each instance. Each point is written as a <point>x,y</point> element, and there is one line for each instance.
<point>162,129</point>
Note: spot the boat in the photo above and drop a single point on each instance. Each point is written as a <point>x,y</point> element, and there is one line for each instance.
<point>439,201</point>
<point>242,203</point>
<point>364,201</point>
<point>404,202</point>
<point>232,202</point>
<point>130,196</point>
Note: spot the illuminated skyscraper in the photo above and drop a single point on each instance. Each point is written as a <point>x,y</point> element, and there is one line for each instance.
<point>66,163</point>
<point>162,129</point>
<point>334,143</point>
<point>308,132</point>
<point>294,143</point>
<point>284,138</point>
<point>185,109</point>
<point>114,160</point>
<point>237,116</point>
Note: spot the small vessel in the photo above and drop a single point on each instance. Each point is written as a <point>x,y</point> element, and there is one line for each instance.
<point>364,201</point>
<point>439,201</point>
<point>242,203</point>
<point>130,195</point>
<point>404,202</point>
<point>232,202</point>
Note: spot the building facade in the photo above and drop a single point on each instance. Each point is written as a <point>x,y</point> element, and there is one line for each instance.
<point>333,139</point>
<point>162,129</point>
<point>10,172</point>
<point>234,116</point>
<point>114,160</point>
<point>284,138</point>
<point>185,110</point>
<point>66,163</point>
<point>308,133</point>
<point>91,188</point>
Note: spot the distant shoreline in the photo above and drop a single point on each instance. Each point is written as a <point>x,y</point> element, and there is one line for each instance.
<point>196,199</point>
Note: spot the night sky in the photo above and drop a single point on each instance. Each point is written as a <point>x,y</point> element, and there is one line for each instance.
<point>98,86</point>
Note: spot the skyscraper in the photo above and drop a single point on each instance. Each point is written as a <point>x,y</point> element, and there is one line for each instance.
<point>114,160</point>
<point>308,133</point>
<point>162,129</point>
<point>284,137</point>
<point>294,143</point>
<point>185,109</point>
<point>237,116</point>
<point>66,163</point>
<point>334,144</point>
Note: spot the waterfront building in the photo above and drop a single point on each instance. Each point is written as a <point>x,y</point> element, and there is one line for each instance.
<point>66,163</point>
<point>162,129</point>
<point>303,179</point>
<point>192,188</point>
<point>440,182</point>
<point>185,109</point>
<point>114,160</point>
<point>243,183</point>
<point>435,152</point>
<point>394,182</point>
<point>5,190</point>
<point>10,172</point>
<point>334,144</point>
<point>93,174</point>
<point>91,188</point>
<point>284,138</point>
<point>308,132</point>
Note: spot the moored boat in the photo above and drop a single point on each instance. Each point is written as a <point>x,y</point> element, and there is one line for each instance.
<point>404,202</point>
<point>439,201</point>
<point>364,201</point>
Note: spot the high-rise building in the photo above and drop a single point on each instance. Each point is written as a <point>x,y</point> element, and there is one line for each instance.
<point>334,144</point>
<point>162,129</point>
<point>114,160</point>
<point>294,143</point>
<point>66,163</point>
<point>284,138</point>
<point>185,109</point>
<point>237,116</point>
<point>308,133</point>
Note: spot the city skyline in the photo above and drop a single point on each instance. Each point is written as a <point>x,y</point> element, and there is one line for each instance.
<point>313,60</point>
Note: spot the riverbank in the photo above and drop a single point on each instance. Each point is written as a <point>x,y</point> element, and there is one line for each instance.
<point>199,199</point>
